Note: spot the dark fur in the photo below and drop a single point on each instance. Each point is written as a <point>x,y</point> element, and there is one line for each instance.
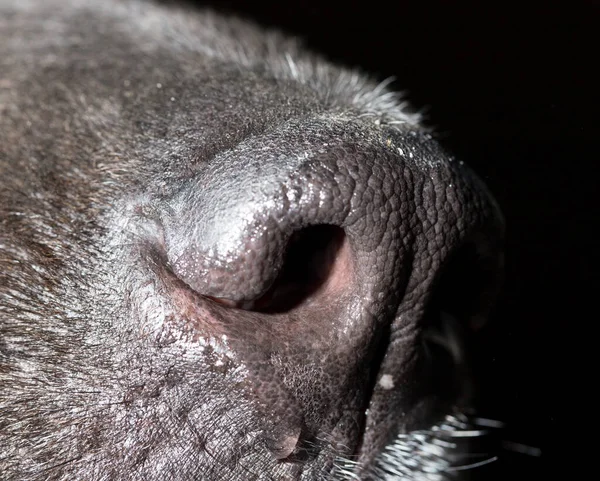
<point>133,139</point>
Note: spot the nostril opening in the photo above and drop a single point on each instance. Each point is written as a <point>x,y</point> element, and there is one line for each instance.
<point>468,284</point>
<point>314,259</point>
<point>462,298</point>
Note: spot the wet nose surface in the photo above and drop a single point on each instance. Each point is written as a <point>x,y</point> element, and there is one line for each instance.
<point>262,203</point>
<point>317,262</point>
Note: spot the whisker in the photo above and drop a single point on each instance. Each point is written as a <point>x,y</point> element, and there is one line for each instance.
<point>457,444</point>
<point>475,465</point>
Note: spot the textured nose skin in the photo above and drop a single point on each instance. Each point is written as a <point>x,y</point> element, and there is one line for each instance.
<point>375,216</point>
<point>270,189</point>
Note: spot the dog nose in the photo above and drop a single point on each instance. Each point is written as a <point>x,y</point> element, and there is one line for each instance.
<point>321,255</point>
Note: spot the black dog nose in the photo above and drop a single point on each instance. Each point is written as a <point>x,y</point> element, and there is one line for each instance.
<point>279,217</point>
<point>324,255</point>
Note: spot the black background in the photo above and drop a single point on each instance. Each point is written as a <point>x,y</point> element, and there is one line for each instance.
<point>510,89</point>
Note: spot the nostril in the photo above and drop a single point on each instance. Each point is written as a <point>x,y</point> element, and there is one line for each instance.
<point>463,294</point>
<point>468,283</point>
<point>461,299</point>
<point>317,260</point>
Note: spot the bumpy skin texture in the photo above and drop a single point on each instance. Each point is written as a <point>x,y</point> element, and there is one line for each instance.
<point>219,254</point>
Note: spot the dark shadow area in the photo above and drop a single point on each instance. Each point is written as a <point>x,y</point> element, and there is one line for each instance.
<point>308,263</point>
<point>512,90</point>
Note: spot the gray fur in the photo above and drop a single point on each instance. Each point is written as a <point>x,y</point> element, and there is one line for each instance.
<point>155,163</point>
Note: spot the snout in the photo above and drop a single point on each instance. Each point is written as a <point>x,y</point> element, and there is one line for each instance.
<point>326,264</point>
